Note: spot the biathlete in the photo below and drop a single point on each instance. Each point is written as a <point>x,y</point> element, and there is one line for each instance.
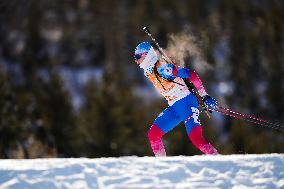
<point>169,80</point>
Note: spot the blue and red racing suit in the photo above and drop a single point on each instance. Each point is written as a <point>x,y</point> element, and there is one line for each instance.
<point>168,79</point>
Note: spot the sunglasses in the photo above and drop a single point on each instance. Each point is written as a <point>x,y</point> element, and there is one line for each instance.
<point>138,56</point>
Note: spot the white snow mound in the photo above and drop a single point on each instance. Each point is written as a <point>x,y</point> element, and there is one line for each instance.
<point>222,171</point>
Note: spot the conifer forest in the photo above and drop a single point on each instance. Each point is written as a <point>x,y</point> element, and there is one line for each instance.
<point>69,86</point>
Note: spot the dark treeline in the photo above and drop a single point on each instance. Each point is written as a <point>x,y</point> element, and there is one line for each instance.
<point>242,42</point>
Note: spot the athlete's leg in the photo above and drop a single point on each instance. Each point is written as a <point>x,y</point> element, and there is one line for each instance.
<point>199,141</point>
<point>155,138</point>
<point>194,133</point>
<point>165,122</point>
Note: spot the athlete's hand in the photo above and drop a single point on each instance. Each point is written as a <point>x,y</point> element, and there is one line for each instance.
<point>210,102</point>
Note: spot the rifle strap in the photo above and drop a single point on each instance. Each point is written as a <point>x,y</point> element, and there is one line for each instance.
<point>157,76</point>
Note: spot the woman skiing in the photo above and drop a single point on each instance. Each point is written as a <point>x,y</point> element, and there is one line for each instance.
<point>169,80</point>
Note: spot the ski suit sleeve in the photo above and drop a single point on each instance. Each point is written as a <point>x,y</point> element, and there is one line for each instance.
<point>170,72</point>
<point>193,77</point>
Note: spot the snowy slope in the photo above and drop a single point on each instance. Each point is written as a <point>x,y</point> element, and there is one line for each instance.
<point>232,171</point>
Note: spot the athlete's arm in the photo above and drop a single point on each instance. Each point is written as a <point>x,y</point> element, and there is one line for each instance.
<point>170,72</point>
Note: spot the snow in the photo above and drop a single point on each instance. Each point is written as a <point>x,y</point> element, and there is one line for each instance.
<point>222,171</point>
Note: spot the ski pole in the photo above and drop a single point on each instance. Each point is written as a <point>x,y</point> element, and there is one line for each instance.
<point>248,118</point>
<point>251,117</point>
